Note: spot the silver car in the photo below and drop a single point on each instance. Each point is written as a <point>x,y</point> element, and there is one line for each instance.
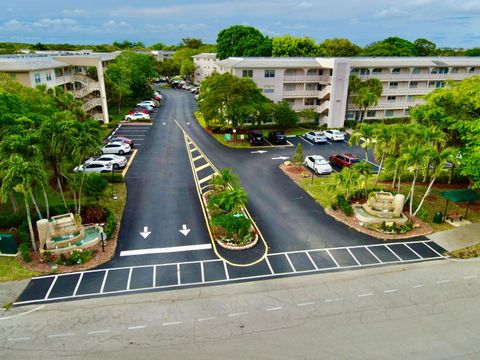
<point>94,168</point>
<point>316,136</point>
<point>116,161</point>
<point>116,148</point>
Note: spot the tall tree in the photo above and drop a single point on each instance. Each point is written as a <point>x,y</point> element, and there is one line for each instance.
<point>345,182</point>
<point>291,46</point>
<point>424,47</point>
<point>339,47</point>
<point>239,40</point>
<point>392,46</point>
<point>363,135</point>
<point>366,95</point>
<point>191,43</point>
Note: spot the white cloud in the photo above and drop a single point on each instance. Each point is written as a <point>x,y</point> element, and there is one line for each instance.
<point>391,13</point>
<point>305,5</point>
<point>117,25</point>
<point>49,23</point>
<point>13,25</point>
<point>74,12</point>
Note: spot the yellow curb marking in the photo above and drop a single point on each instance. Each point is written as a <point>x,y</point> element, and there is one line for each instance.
<point>134,153</point>
<point>189,141</point>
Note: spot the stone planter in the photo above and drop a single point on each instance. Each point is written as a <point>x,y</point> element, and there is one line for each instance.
<point>228,245</point>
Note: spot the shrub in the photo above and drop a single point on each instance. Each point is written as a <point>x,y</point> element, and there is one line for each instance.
<point>352,124</point>
<point>334,206</point>
<point>79,256</point>
<point>344,205</point>
<point>110,225</point>
<point>218,232</point>
<point>25,251</point>
<point>12,220</point>
<point>113,179</point>
<point>233,224</point>
<point>94,214</point>
<point>298,157</point>
<point>24,233</point>
<point>95,186</point>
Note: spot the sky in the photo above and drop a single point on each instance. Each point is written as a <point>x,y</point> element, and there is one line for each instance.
<point>448,23</point>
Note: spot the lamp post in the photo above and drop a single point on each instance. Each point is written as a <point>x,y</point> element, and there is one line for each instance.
<point>234,135</point>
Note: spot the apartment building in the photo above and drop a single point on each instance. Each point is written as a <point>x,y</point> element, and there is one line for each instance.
<point>67,70</point>
<point>321,84</point>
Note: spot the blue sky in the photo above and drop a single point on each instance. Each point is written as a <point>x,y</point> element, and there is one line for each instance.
<point>452,23</point>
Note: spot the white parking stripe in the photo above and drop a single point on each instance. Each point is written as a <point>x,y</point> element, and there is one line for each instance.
<point>290,262</point>
<point>165,250</point>
<point>335,261</point>
<point>207,178</point>
<point>204,166</point>
<point>51,287</point>
<point>307,141</point>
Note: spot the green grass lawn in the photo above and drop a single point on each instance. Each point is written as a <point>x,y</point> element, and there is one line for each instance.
<point>10,270</point>
<point>242,144</point>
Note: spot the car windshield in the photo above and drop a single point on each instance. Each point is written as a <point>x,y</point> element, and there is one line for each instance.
<point>321,161</point>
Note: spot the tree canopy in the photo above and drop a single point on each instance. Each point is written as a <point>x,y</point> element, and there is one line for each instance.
<point>290,46</point>
<point>239,40</point>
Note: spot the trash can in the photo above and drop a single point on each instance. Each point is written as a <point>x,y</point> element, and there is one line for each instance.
<point>8,244</point>
<point>438,217</point>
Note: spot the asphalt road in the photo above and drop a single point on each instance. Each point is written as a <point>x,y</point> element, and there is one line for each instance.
<point>417,311</point>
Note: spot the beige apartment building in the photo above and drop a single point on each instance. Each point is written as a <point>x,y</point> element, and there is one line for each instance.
<point>68,70</point>
<point>321,84</point>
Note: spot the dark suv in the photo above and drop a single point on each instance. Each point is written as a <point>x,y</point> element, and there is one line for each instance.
<point>255,137</point>
<point>277,137</point>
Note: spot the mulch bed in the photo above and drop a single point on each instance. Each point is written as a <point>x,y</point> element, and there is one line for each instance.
<point>295,173</point>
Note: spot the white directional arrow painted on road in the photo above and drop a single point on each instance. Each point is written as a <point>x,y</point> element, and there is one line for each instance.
<point>163,123</point>
<point>184,230</point>
<point>258,152</point>
<point>145,232</point>
<point>280,158</point>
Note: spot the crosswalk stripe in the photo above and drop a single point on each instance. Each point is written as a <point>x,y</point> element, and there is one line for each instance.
<point>205,179</point>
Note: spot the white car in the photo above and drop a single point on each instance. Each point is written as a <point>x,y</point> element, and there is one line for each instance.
<point>334,135</point>
<point>116,148</point>
<point>316,136</point>
<point>318,164</point>
<point>115,160</point>
<point>136,116</point>
<point>94,168</point>
<point>152,103</point>
<point>149,107</point>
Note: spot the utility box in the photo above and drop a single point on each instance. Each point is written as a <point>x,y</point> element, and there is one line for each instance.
<point>438,217</point>
<point>8,244</point>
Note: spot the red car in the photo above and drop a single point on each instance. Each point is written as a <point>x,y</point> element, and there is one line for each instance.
<point>343,159</point>
<point>122,140</point>
<point>137,110</point>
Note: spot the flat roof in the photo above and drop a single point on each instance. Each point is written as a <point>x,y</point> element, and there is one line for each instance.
<point>294,62</point>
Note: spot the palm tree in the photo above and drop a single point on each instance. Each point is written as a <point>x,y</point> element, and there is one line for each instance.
<point>414,157</point>
<point>365,171</point>
<point>367,95</point>
<point>233,199</point>
<point>224,178</point>
<point>439,160</point>
<point>383,145</point>
<point>354,84</point>
<point>433,137</point>
<point>345,182</point>
<point>363,135</point>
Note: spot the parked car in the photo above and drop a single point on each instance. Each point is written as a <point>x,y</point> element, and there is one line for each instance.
<point>157,97</point>
<point>138,109</point>
<point>94,167</point>
<point>116,148</point>
<point>136,116</point>
<point>122,140</point>
<point>316,136</point>
<point>195,90</point>
<point>152,103</point>
<point>344,159</point>
<point>318,164</point>
<point>334,135</point>
<point>115,160</point>
<point>255,137</point>
<point>277,137</point>
<point>146,106</point>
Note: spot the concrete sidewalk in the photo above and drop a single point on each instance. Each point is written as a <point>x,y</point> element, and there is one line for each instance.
<point>458,238</point>
<point>10,290</point>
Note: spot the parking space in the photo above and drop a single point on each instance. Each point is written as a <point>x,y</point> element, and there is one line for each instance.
<point>195,273</point>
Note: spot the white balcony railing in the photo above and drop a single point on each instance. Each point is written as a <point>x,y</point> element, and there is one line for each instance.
<point>415,77</point>
<point>406,91</point>
<point>306,78</point>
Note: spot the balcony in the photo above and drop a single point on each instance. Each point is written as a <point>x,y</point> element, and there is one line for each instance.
<point>390,105</point>
<point>426,76</point>
<point>319,94</point>
<point>306,78</point>
<point>406,91</point>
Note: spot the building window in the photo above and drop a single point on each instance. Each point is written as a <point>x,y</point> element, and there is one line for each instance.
<point>471,70</point>
<point>58,72</point>
<point>268,89</point>
<point>320,72</point>
<point>410,98</point>
<point>439,84</point>
<point>416,71</point>
<point>49,76</point>
<point>393,85</point>
<point>269,73</point>
<point>391,98</point>
<point>288,87</point>
<point>350,115</point>
<point>364,71</point>
<point>396,71</point>
<point>413,84</point>
<point>247,73</point>
<point>37,78</point>
<point>310,101</point>
<point>377,71</point>
<point>354,70</point>
<point>388,113</point>
<point>371,113</point>
<point>442,70</point>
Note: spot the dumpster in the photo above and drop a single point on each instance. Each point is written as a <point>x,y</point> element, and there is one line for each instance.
<point>438,217</point>
<point>8,244</point>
